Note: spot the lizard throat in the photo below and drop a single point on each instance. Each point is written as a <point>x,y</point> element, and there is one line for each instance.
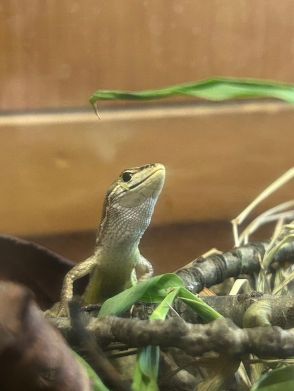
<point>123,227</point>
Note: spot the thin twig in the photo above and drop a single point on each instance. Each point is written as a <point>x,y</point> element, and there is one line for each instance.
<point>287,281</point>
<point>262,219</point>
<point>282,180</point>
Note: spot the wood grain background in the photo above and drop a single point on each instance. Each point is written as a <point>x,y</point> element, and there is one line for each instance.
<point>55,53</point>
<point>56,168</point>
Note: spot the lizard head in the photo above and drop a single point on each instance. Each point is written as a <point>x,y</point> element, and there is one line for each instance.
<point>130,201</point>
<point>135,185</point>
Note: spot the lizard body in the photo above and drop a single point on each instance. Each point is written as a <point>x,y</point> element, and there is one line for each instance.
<point>128,208</point>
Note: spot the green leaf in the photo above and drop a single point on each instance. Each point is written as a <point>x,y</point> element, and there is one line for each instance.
<point>216,89</point>
<point>206,312</point>
<point>146,371</point>
<point>164,288</point>
<point>97,384</point>
<point>152,291</point>
<point>281,379</point>
<point>162,309</point>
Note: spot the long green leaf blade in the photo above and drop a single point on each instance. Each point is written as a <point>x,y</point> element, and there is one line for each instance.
<point>97,384</point>
<point>161,311</point>
<point>281,379</point>
<point>152,290</point>
<point>206,312</point>
<point>217,89</point>
<point>146,371</point>
<point>147,367</point>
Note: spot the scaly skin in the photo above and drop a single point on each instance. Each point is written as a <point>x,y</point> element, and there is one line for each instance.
<point>128,208</point>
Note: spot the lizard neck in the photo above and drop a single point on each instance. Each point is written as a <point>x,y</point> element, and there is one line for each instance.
<point>122,228</point>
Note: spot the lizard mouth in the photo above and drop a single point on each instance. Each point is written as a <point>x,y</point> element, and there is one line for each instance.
<point>146,178</point>
<point>148,186</point>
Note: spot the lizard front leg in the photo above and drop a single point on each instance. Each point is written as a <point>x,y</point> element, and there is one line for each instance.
<point>80,270</point>
<point>144,269</point>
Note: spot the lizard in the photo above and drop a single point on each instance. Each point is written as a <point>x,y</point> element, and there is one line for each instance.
<point>128,207</point>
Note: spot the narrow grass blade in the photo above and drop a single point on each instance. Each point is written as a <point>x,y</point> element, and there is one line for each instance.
<point>206,312</point>
<point>153,291</point>
<point>97,384</point>
<point>272,188</point>
<point>146,371</point>
<point>216,89</point>
<point>287,280</point>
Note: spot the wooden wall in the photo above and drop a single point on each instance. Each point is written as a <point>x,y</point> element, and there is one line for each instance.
<point>55,168</point>
<point>55,53</point>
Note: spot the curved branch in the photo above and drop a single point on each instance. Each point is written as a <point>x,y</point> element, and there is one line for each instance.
<point>205,272</point>
<point>218,336</point>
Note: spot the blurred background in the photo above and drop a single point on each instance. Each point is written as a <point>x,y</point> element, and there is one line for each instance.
<point>57,158</point>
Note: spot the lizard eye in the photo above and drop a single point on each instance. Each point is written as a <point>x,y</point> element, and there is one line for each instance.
<point>126,176</point>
